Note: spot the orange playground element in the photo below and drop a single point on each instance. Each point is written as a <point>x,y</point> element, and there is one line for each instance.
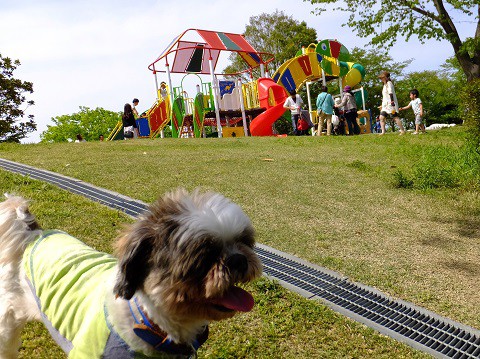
<point>271,96</point>
<point>158,116</point>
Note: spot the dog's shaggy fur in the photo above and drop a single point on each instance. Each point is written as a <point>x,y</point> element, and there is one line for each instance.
<point>181,260</point>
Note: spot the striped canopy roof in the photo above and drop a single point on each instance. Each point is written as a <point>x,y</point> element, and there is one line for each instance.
<point>193,56</point>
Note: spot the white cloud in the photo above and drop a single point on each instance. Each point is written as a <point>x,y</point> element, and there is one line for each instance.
<point>96,53</point>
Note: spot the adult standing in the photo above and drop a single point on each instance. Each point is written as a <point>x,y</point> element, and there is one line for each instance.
<point>325,105</point>
<point>129,123</point>
<point>350,111</point>
<point>294,104</point>
<point>389,107</point>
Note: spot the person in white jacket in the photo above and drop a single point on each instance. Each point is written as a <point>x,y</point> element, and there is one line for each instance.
<point>294,103</point>
<point>389,108</point>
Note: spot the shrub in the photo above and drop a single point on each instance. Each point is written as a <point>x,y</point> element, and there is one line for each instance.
<point>443,167</point>
<point>470,102</point>
<point>284,124</point>
<point>401,180</point>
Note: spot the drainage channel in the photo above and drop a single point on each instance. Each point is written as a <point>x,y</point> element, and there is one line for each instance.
<point>403,321</point>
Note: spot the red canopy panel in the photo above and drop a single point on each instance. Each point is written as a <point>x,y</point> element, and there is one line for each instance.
<point>184,56</point>
<point>193,56</point>
<point>240,41</point>
<point>212,39</point>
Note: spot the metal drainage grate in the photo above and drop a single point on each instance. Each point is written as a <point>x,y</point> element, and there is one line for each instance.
<point>111,199</point>
<point>415,326</point>
<point>403,321</point>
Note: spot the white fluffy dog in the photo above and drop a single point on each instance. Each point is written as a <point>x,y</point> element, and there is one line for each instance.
<point>176,271</point>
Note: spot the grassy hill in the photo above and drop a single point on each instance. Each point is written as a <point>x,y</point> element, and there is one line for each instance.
<point>399,213</point>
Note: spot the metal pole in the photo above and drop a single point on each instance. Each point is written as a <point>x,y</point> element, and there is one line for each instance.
<point>339,78</point>
<point>156,83</point>
<point>242,107</point>
<point>309,98</point>
<point>363,98</point>
<point>169,79</point>
<point>162,135</point>
<point>169,84</point>
<point>215,96</point>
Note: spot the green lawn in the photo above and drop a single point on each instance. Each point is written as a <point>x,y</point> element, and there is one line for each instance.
<point>329,200</point>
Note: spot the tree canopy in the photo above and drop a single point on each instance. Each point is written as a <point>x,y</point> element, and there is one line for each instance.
<point>276,33</point>
<point>385,21</point>
<point>12,96</point>
<point>88,123</point>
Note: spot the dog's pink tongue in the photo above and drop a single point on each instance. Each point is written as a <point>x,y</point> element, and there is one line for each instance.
<point>236,299</point>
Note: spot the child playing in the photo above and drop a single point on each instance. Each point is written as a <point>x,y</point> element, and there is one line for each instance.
<point>417,107</point>
<point>339,129</point>
<point>377,128</point>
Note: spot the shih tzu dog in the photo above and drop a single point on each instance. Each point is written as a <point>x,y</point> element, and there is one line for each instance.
<point>176,269</point>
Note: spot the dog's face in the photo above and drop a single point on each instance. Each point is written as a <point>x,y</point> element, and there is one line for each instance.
<point>187,253</point>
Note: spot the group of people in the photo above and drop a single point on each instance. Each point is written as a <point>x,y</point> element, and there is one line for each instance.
<point>130,128</point>
<point>389,108</point>
<point>81,139</point>
<point>346,110</point>
<point>294,103</point>
<point>326,108</point>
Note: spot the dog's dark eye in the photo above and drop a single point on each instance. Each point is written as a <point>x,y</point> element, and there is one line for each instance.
<point>247,238</point>
<point>198,260</point>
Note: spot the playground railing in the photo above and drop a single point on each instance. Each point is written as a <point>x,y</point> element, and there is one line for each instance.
<point>116,130</point>
<point>250,95</point>
<point>157,116</point>
<point>189,105</point>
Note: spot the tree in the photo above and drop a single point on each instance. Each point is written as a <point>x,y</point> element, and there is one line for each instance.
<point>89,123</point>
<point>277,34</point>
<point>387,20</point>
<point>452,69</point>
<point>12,96</point>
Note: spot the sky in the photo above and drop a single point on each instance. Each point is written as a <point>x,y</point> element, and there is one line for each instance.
<point>96,53</point>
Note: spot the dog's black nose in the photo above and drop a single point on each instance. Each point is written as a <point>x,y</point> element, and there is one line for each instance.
<point>237,262</point>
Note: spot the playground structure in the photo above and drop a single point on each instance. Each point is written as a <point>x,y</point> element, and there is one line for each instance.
<point>225,104</point>
<point>325,61</point>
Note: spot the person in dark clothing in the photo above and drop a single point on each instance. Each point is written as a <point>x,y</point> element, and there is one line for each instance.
<point>350,109</point>
<point>129,124</point>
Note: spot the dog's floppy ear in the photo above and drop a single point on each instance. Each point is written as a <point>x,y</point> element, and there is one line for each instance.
<point>134,264</point>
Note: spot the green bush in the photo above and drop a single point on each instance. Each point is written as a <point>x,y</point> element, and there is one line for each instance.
<point>284,124</point>
<point>470,102</point>
<point>401,180</point>
<point>436,171</point>
<point>443,167</point>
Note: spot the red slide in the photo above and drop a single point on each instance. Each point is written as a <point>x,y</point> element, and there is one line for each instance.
<point>262,124</point>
